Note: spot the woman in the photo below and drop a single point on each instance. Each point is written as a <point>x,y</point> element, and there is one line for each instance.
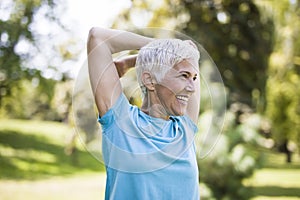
<point>148,151</point>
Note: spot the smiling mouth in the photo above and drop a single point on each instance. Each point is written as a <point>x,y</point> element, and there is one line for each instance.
<point>182,99</point>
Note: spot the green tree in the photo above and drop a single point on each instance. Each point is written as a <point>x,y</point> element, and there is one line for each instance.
<point>233,32</point>
<point>20,42</point>
<point>240,42</point>
<point>29,101</point>
<point>34,46</point>
<point>283,88</point>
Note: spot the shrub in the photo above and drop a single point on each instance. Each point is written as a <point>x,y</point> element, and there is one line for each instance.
<point>225,159</point>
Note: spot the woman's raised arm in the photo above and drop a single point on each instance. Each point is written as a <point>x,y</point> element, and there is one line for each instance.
<point>104,78</point>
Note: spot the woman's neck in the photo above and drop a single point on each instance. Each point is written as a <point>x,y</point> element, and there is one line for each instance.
<point>153,108</point>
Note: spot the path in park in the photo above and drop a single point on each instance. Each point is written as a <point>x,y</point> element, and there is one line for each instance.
<point>81,187</point>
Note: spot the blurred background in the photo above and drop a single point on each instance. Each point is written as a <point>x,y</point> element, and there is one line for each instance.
<point>254,43</point>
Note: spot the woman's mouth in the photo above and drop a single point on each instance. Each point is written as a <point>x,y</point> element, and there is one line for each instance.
<point>183,99</point>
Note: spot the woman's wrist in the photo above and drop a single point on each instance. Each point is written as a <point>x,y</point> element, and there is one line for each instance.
<point>124,64</point>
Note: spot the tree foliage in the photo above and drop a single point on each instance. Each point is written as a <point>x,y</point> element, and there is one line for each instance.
<point>27,101</point>
<point>24,51</point>
<point>283,86</point>
<point>240,42</point>
<point>36,50</point>
<point>233,32</point>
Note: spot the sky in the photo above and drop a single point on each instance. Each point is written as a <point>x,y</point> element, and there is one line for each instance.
<point>89,13</point>
<point>81,15</point>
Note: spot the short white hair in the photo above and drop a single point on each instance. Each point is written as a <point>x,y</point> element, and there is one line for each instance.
<point>160,55</point>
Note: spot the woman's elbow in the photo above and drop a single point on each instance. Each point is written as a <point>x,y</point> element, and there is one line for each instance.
<point>99,33</point>
<point>94,38</point>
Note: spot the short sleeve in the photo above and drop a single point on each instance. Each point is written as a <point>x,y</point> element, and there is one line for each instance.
<point>121,106</point>
<point>190,123</point>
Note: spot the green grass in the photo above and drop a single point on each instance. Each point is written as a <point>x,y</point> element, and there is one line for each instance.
<point>33,165</point>
<point>269,183</point>
<point>277,180</point>
<point>36,150</point>
<point>77,187</point>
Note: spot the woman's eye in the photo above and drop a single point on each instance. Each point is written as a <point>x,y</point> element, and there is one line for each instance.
<point>194,78</point>
<point>185,75</point>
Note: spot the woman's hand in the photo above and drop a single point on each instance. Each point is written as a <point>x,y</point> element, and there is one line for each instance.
<point>125,64</point>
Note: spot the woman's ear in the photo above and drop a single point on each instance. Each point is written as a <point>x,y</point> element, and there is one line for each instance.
<point>148,81</point>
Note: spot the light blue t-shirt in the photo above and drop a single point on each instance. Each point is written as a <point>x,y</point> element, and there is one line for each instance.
<point>148,158</point>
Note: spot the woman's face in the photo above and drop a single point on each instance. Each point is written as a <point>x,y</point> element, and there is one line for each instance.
<point>175,89</point>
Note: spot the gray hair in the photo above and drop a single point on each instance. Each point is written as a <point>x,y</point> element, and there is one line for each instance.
<point>160,55</point>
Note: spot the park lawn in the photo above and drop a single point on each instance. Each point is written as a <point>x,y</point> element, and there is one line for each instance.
<point>275,184</point>
<point>36,150</point>
<point>89,186</point>
<point>277,180</point>
<point>33,165</point>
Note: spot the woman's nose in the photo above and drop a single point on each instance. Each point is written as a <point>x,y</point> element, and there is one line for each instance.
<point>190,85</point>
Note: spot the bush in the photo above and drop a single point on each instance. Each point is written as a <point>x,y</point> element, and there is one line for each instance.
<point>229,158</point>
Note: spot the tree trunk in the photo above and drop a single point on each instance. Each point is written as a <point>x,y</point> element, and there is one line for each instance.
<point>283,147</point>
